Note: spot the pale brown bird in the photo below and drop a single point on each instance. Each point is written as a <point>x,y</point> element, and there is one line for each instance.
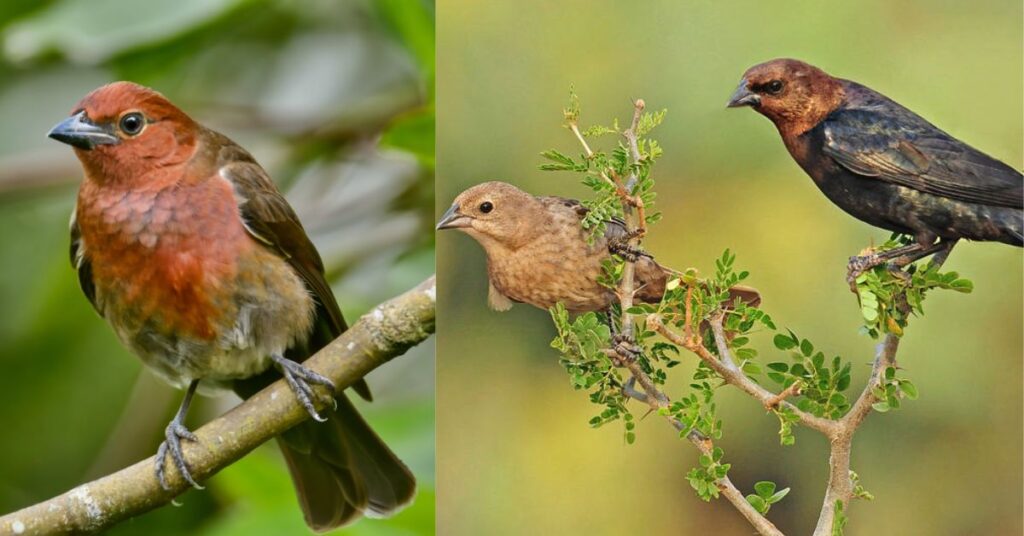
<point>537,251</point>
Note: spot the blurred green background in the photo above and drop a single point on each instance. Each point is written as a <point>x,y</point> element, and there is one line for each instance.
<point>515,453</point>
<point>335,99</point>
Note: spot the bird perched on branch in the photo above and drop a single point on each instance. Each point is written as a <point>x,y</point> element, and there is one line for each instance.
<point>884,164</point>
<point>538,253</point>
<point>185,246</point>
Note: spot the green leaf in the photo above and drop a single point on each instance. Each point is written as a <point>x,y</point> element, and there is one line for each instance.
<point>908,389</point>
<point>765,488</point>
<point>758,503</point>
<point>778,496</point>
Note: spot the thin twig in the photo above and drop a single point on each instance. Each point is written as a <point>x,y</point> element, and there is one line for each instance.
<point>657,400</point>
<point>388,331</point>
<point>727,369</point>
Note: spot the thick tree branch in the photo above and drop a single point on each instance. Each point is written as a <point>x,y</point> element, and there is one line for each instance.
<point>382,334</point>
<point>840,487</point>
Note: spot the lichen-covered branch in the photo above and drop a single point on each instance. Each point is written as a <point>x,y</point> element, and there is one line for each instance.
<point>382,334</point>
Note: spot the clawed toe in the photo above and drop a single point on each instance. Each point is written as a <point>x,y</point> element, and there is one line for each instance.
<point>300,379</point>
<point>174,433</point>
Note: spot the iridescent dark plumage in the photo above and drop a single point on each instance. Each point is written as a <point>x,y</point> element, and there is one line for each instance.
<point>884,164</point>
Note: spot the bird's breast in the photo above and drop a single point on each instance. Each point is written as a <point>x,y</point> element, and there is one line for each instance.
<point>184,285</point>
<point>549,271</point>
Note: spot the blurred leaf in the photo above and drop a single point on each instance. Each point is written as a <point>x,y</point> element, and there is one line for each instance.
<point>90,31</point>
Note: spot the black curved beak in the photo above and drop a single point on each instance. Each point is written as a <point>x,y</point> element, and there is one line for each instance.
<point>453,219</point>
<point>743,96</point>
<point>79,131</point>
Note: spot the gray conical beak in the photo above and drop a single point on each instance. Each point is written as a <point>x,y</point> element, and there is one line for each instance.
<point>79,131</point>
<point>453,219</point>
<point>743,96</point>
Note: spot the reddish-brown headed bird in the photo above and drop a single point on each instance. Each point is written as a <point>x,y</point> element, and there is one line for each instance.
<point>185,246</point>
<point>884,164</point>
<point>537,251</point>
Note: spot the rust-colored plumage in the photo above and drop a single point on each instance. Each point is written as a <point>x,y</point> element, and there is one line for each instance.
<point>884,164</point>
<point>538,253</point>
<point>185,246</point>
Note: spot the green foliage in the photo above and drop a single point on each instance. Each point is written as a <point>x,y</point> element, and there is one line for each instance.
<point>582,343</point>
<point>787,418</point>
<point>888,297</point>
<point>696,411</point>
<point>822,386</point>
<point>858,489</point>
<point>604,169</point>
<point>765,496</point>
<point>891,390</point>
<point>704,478</point>
<point>840,519</point>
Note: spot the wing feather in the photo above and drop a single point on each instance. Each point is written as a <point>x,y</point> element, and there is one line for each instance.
<point>889,143</point>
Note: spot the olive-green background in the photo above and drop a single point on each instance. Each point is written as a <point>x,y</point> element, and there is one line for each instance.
<point>515,454</point>
<point>335,99</point>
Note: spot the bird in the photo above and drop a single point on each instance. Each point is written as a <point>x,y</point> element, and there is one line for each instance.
<point>884,164</point>
<point>538,252</point>
<point>185,246</point>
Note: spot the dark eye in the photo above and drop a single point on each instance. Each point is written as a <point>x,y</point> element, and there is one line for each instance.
<point>486,207</point>
<point>131,124</point>
<point>774,87</point>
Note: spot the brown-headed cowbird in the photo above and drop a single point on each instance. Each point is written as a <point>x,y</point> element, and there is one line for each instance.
<point>884,164</point>
<point>185,246</point>
<point>537,251</point>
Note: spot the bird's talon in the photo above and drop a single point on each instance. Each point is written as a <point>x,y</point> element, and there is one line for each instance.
<point>171,446</point>
<point>300,378</point>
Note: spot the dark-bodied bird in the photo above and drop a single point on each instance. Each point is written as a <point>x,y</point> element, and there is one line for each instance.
<point>537,251</point>
<point>884,164</point>
<point>185,246</point>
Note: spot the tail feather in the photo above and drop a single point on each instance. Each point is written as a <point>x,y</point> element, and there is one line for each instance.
<point>343,470</point>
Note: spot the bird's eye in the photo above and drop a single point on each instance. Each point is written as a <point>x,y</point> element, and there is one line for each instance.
<point>131,124</point>
<point>774,87</point>
<point>486,207</point>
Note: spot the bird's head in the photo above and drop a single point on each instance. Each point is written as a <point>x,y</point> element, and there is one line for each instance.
<point>123,130</point>
<point>495,214</point>
<point>794,95</point>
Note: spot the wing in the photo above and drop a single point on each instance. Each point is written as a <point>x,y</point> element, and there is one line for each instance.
<point>890,143</point>
<point>613,228</point>
<point>80,262</point>
<point>271,220</point>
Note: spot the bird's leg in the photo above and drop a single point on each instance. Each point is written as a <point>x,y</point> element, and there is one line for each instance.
<point>629,389</point>
<point>610,320</point>
<point>898,257</point>
<point>624,250</point>
<point>300,378</point>
<point>940,258</point>
<point>624,349</point>
<point>174,433</point>
<point>907,257</point>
